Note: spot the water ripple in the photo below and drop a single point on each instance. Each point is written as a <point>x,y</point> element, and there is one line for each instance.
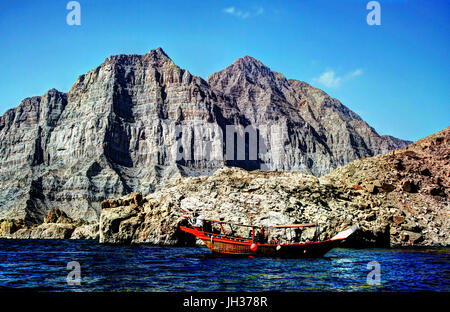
<point>42,265</point>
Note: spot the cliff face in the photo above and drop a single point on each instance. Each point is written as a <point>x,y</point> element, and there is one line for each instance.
<point>137,122</point>
<point>318,133</point>
<point>111,134</point>
<point>399,199</point>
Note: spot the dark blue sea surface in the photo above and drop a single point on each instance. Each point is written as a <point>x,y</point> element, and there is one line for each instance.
<point>42,265</point>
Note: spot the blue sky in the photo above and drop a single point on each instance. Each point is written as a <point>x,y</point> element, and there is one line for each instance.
<point>395,76</point>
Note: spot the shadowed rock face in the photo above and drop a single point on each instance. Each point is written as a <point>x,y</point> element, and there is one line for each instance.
<point>115,132</point>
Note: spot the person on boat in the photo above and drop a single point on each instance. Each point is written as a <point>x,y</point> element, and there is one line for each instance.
<point>256,236</point>
<point>193,219</point>
<point>260,235</point>
<point>207,226</point>
<point>199,222</point>
<point>275,240</point>
<point>295,239</point>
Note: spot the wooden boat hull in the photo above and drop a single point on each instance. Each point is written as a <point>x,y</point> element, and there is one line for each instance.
<point>230,246</point>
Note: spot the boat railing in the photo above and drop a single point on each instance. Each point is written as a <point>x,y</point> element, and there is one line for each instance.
<point>209,234</point>
<point>274,227</point>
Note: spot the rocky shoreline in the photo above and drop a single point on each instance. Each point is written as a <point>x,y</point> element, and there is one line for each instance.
<point>57,225</point>
<point>399,199</point>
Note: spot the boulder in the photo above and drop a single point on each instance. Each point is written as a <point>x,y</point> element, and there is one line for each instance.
<point>57,216</point>
<point>8,227</point>
<point>410,187</point>
<point>411,238</point>
<point>87,231</point>
<point>398,220</point>
<point>52,231</point>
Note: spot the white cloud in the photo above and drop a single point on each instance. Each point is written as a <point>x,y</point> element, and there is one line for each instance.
<point>229,10</point>
<point>242,14</point>
<point>355,73</point>
<point>330,80</point>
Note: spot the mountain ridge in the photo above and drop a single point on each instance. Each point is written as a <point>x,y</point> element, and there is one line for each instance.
<point>114,132</point>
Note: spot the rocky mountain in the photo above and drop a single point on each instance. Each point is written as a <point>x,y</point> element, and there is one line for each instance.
<point>137,122</point>
<point>319,132</point>
<point>399,199</point>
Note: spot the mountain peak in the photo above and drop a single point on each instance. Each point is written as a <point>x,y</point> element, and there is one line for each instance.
<point>159,52</point>
<point>248,60</point>
<point>156,55</point>
<point>247,68</point>
<point>249,65</point>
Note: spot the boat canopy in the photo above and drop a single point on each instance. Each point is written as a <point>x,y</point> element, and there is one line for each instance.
<point>281,226</point>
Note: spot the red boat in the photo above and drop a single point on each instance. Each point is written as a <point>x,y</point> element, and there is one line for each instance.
<point>223,244</point>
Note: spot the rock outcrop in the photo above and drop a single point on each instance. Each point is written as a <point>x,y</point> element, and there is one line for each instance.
<point>411,185</point>
<point>57,225</point>
<point>86,231</point>
<point>398,199</point>
<point>123,126</point>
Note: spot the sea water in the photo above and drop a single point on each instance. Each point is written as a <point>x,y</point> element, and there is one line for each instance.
<point>42,265</point>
